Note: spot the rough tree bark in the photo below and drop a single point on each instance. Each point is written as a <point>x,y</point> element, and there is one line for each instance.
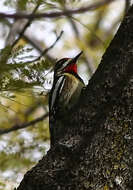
<point>99,132</point>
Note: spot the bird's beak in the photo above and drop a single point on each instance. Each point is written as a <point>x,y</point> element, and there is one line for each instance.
<point>76,57</point>
<point>74,60</point>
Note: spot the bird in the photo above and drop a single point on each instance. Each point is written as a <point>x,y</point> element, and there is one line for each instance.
<point>65,91</point>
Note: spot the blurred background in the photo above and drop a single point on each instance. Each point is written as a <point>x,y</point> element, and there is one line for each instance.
<point>28,51</point>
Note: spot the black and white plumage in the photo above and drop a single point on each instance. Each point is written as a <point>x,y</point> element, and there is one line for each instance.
<point>65,92</point>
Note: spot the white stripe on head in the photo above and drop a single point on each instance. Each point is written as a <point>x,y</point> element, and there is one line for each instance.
<point>61,65</point>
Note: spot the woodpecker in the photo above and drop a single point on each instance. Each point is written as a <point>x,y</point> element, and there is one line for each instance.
<point>65,92</point>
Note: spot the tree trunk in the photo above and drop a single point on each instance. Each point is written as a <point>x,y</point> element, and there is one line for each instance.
<point>95,149</point>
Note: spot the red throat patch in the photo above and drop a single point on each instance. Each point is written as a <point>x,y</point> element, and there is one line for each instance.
<point>71,68</point>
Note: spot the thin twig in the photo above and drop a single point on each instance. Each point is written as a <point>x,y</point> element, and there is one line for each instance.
<point>24,125</point>
<point>26,26</point>
<point>6,97</point>
<point>7,108</point>
<point>89,30</point>
<point>33,44</point>
<point>44,52</point>
<point>56,14</point>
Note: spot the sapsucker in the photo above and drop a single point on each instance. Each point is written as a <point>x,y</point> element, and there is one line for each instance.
<point>65,92</point>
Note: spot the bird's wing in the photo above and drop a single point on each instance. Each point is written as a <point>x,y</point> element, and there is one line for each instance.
<point>55,93</point>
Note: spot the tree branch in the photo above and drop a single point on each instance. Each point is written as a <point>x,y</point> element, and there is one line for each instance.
<point>56,14</point>
<point>24,125</point>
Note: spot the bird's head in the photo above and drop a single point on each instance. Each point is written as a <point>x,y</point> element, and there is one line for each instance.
<point>66,65</point>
